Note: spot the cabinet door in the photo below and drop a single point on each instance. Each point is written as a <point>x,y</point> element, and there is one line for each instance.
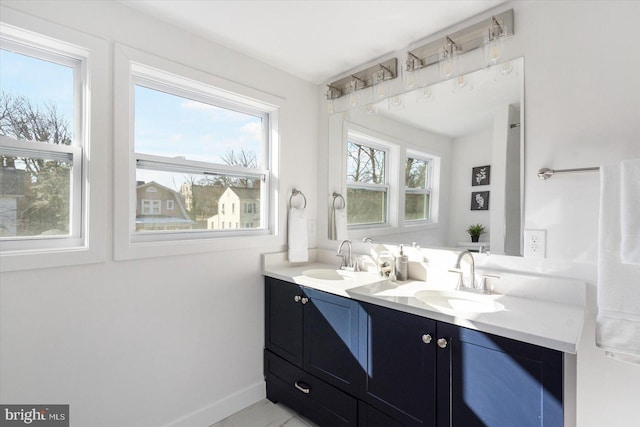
<point>283,319</point>
<point>494,381</point>
<point>331,339</point>
<point>399,362</point>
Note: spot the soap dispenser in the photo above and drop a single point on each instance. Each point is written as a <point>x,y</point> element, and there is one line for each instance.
<point>402,266</point>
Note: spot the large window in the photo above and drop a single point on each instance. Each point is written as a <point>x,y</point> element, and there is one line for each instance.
<point>417,188</point>
<point>41,146</point>
<point>367,183</point>
<point>198,152</point>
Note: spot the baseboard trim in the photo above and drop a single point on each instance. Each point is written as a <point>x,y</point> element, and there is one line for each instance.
<point>217,411</point>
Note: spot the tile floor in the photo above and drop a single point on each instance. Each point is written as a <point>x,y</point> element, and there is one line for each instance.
<point>265,414</point>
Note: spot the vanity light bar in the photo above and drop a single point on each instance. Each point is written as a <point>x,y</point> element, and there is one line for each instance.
<point>363,79</point>
<point>467,39</point>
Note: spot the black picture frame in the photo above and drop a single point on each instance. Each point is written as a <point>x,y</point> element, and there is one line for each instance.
<point>481,175</point>
<point>480,201</point>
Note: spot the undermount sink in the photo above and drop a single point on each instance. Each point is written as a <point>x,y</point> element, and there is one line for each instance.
<point>327,274</point>
<point>460,301</point>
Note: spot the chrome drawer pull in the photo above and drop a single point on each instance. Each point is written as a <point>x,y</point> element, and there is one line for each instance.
<point>297,298</point>
<point>426,338</point>
<point>302,387</point>
<point>304,300</point>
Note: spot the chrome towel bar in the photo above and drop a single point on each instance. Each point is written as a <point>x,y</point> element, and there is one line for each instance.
<point>546,173</point>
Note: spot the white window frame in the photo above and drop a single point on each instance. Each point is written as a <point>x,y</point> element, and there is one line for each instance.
<point>429,159</point>
<point>28,35</point>
<point>128,244</point>
<point>170,205</point>
<point>378,144</point>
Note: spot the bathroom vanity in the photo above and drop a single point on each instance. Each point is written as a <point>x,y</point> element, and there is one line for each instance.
<point>360,351</point>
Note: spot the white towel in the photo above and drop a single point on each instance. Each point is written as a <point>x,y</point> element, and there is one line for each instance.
<point>630,211</point>
<point>340,223</point>
<point>618,320</point>
<point>298,239</point>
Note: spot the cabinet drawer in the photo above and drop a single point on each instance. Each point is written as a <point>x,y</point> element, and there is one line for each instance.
<point>315,399</point>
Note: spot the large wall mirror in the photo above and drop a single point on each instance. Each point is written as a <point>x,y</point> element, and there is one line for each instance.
<point>469,131</point>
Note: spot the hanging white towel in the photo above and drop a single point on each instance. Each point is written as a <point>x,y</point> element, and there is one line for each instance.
<point>618,320</point>
<point>340,223</point>
<point>298,239</point>
<point>630,211</point>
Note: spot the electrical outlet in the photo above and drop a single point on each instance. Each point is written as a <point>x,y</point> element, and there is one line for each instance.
<point>535,243</point>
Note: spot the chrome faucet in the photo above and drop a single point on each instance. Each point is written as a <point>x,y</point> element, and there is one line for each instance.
<point>347,260</point>
<point>472,270</point>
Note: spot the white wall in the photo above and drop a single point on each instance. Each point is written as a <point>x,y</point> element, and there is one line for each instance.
<point>582,109</point>
<point>160,341</point>
<point>578,112</point>
<point>469,151</point>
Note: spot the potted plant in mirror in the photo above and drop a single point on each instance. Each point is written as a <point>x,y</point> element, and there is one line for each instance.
<point>475,231</point>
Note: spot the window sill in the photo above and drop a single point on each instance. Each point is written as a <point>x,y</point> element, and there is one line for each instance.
<point>47,258</point>
<point>146,248</point>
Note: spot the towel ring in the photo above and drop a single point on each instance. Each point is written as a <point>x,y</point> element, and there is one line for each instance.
<point>295,192</point>
<point>338,195</point>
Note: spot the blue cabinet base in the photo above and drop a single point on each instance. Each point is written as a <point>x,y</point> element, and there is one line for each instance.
<point>307,395</point>
<point>340,362</point>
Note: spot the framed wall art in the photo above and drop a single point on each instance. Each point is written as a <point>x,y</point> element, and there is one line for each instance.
<point>481,175</point>
<point>480,201</point>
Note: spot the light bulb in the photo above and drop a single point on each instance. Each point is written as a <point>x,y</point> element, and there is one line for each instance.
<point>448,58</point>
<point>409,78</point>
<point>492,46</point>
<point>493,51</point>
<point>352,98</point>
<point>372,109</point>
<point>395,102</point>
<point>379,84</point>
<point>425,94</point>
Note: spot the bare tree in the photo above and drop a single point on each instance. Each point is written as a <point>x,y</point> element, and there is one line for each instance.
<point>45,202</point>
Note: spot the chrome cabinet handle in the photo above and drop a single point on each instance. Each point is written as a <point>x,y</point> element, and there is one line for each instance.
<point>442,343</point>
<point>297,298</point>
<point>304,300</point>
<point>426,338</point>
<point>302,387</point>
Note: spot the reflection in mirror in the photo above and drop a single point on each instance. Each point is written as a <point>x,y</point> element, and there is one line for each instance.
<point>452,157</point>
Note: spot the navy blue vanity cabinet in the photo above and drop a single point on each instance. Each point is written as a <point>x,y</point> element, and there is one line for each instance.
<point>311,342</point>
<point>283,319</point>
<point>341,362</point>
<point>398,353</point>
<point>497,382</point>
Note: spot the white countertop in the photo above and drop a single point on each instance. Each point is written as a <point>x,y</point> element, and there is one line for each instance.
<point>534,311</point>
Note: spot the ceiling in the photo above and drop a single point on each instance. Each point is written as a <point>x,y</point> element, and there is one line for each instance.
<point>311,39</point>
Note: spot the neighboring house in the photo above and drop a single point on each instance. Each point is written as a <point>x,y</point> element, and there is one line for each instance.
<point>160,208</point>
<point>237,208</point>
<point>201,201</point>
<point>11,190</point>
